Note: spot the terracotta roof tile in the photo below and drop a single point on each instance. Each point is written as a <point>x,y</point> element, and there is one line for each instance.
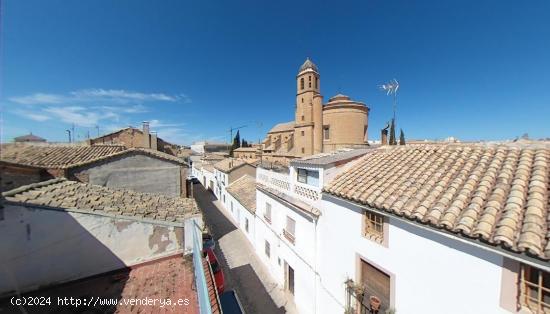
<point>61,193</point>
<point>244,191</point>
<point>229,164</point>
<point>68,156</point>
<point>496,193</point>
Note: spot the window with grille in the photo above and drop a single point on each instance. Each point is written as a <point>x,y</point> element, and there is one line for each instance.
<point>535,289</point>
<point>289,230</point>
<point>373,226</point>
<point>267,213</point>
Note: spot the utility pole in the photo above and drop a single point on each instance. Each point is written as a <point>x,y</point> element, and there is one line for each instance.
<point>73,131</point>
<point>69,132</point>
<point>97,127</point>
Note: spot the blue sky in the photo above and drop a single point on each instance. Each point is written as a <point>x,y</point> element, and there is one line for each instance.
<point>469,69</point>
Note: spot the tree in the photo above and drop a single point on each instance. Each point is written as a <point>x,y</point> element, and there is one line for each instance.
<point>236,143</point>
<point>244,143</point>
<point>401,137</point>
<point>393,141</point>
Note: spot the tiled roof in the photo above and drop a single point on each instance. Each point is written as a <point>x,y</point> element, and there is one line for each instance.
<point>498,194</point>
<point>246,149</point>
<point>213,157</point>
<point>29,138</point>
<point>330,158</point>
<point>244,191</point>
<point>55,156</point>
<point>208,167</point>
<point>61,193</point>
<point>228,164</point>
<point>281,127</point>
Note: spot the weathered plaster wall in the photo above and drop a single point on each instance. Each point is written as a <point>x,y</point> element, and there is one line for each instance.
<point>138,172</point>
<point>41,247</point>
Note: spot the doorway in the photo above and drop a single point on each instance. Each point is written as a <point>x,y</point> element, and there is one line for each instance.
<point>289,278</point>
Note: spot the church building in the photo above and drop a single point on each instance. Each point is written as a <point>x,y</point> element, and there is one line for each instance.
<point>317,127</point>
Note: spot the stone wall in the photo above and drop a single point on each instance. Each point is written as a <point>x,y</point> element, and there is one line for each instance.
<point>136,172</point>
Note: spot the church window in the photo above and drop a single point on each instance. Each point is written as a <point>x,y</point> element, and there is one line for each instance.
<point>303,118</point>
<point>303,150</point>
<point>302,100</point>
<point>326,132</point>
<point>316,82</point>
<point>302,83</point>
<point>303,133</point>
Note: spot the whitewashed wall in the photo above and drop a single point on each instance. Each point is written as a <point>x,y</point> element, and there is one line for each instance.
<point>41,247</point>
<point>240,214</point>
<point>432,273</point>
<point>301,256</point>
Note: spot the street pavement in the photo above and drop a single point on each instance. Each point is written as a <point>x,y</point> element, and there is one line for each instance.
<point>243,270</point>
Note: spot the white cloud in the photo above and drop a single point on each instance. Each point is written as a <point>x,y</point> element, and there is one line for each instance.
<point>158,124</point>
<point>32,115</point>
<point>74,114</point>
<point>98,95</point>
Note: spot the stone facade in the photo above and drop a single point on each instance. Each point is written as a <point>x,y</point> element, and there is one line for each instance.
<point>317,128</point>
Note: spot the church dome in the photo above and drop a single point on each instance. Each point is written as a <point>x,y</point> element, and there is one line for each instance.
<point>308,65</point>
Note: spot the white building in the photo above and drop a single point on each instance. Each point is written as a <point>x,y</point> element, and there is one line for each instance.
<point>438,229</point>
<point>287,223</point>
<point>241,200</point>
<point>227,171</point>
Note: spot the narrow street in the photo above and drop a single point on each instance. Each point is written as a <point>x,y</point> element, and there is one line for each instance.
<point>242,268</point>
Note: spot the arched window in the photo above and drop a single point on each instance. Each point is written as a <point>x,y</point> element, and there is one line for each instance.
<point>302,83</point>
<point>310,81</point>
<point>316,82</point>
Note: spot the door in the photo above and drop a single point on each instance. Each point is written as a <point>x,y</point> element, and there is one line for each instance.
<point>289,278</point>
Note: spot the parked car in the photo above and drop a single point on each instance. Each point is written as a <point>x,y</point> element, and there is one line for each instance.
<point>216,269</point>
<point>230,303</point>
<point>193,179</point>
<point>208,241</point>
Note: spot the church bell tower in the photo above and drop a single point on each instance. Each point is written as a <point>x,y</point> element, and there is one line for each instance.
<point>308,130</point>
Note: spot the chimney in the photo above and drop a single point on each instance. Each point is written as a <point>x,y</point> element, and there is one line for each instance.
<point>146,138</point>
<point>154,141</point>
<point>384,137</point>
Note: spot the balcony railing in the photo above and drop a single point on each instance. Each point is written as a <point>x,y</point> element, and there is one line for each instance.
<point>289,236</point>
<point>283,183</point>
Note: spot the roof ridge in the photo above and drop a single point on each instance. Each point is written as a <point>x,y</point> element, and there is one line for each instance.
<point>33,186</point>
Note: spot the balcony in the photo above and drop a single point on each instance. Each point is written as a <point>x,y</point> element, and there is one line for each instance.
<point>283,183</point>
<point>289,236</point>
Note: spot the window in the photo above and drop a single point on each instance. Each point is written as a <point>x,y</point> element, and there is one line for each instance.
<point>303,150</point>
<point>308,177</point>
<point>289,230</point>
<point>535,289</point>
<point>374,226</point>
<point>376,283</point>
<point>303,117</point>
<point>310,81</point>
<point>267,214</point>
<point>302,100</point>
<point>302,83</point>
<point>303,133</point>
<point>316,82</point>
<point>326,132</point>
<point>224,198</point>
<point>246,224</point>
<point>231,206</point>
<point>267,249</point>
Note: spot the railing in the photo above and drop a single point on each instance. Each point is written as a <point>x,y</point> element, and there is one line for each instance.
<point>283,183</point>
<point>289,236</point>
<point>200,279</point>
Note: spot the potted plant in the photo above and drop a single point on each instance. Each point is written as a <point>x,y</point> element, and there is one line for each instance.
<point>374,303</point>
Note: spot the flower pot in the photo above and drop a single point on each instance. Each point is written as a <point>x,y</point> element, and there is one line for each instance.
<point>374,303</point>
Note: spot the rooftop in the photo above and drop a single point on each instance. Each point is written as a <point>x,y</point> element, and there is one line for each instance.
<point>282,127</point>
<point>71,195</point>
<point>494,193</point>
<point>246,149</point>
<point>166,278</point>
<point>55,156</point>
<point>29,138</point>
<point>244,191</point>
<point>228,164</point>
<point>308,64</point>
<point>325,159</point>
